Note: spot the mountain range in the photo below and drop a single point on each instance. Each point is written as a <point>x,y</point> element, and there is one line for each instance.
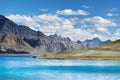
<point>37,40</point>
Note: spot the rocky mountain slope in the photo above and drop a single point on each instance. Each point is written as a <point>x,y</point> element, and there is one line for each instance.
<point>109,51</point>
<point>9,43</point>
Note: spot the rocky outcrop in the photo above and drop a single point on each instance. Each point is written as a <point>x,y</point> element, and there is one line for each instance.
<point>54,43</point>
<point>9,43</point>
<point>60,44</point>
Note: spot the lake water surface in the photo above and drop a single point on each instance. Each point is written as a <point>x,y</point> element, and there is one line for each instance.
<point>22,67</point>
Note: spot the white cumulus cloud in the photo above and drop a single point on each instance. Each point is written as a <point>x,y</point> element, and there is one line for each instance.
<point>116,35</point>
<point>86,7</point>
<point>101,24</point>
<point>43,9</point>
<point>111,14</point>
<point>71,12</point>
<point>112,9</point>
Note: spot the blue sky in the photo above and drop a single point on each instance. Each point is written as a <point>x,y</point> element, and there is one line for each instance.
<point>77,19</point>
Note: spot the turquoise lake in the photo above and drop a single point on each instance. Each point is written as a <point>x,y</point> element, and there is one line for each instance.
<point>23,67</point>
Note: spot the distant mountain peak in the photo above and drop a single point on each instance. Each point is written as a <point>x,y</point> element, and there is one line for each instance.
<point>78,41</point>
<point>95,42</point>
<point>96,38</point>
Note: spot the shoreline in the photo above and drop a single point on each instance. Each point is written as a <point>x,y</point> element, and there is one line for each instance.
<point>93,58</point>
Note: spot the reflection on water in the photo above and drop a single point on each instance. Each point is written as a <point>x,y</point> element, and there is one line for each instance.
<point>23,67</point>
